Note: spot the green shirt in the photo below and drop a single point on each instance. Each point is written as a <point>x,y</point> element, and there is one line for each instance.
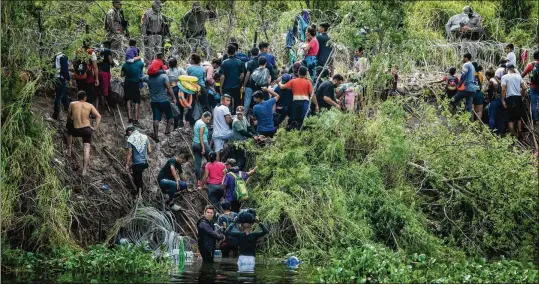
<point>133,70</point>
<point>165,172</point>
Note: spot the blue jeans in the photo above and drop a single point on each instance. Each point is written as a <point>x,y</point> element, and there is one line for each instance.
<point>197,151</point>
<point>248,98</point>
<point>534,94</point>
<point>494,115</point>
<point>215,193</point>
<point>468,95</point>
<point>311,65</point>
<point>61,98</point>
<point>170,185</point>
<point>297,113</point>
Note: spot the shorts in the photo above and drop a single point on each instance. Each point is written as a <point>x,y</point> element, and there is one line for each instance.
<point>161,107</point>
<point>515,108</point>
<point>104,82</point>
<point>132,92</point>
<point>84,133</point>
<point>478,98</point>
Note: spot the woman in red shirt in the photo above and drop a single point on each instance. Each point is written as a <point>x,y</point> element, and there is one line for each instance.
<point>213,177</point>
<point>311,51</point>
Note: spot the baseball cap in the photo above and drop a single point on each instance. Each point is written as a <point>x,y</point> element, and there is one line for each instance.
<point>285,78</point>
<point>231,162</point>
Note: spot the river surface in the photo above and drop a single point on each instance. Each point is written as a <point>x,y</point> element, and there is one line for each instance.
<point>225,271</point>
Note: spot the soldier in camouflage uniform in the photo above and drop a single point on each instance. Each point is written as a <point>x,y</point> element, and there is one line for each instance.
<point>116,28</point>
<point>192,27</point>
<point>153,23</point>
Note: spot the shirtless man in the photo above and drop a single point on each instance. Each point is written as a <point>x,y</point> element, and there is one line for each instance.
<point>78,125</point>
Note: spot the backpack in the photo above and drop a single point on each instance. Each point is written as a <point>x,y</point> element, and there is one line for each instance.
<point>534,75</point>
<point>260,76</point>
<point>240,192</point>
<point>242,57</point>
<point>452,82</point>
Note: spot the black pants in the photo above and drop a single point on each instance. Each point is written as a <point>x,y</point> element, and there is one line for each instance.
<point>203,99</point>
<point>138,169</point>
<point>235,93</point>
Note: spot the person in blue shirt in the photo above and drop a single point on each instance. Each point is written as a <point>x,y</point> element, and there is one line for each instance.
<point>138,149</point>
<point>197,70</point>
<point>468,79</point>
<point>270,59</point>
<point>229,183</point>
<point>263,111</point>
<point>285,100</point>
<point>232,72</point>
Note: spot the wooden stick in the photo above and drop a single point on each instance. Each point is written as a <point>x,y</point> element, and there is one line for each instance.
<point>119,113</point>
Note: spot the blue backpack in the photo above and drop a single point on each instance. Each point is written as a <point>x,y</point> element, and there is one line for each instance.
<point>241,56</point>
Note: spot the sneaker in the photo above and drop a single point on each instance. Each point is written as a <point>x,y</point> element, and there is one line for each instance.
<point>174,207</point>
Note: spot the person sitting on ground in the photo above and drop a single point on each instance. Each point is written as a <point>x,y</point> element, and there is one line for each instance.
<point>207,235</point>
<point>532,69</point>
<point>138,150</point>
<point>214,175</point>
<point>263,111</point>
<point>302,88</point>
<point>132,71</point>
<point>78,125</point>
<point>159,87</point>
<point>246,242</point>
<point>222,120</point>
<point>226,219</point>
<point>241,127</point>
<point>513,89</point>
<point>201,147</point>
<point>325,94</point>
<point>495,110</point>
<point>172,180</point>
<point>229,183</point>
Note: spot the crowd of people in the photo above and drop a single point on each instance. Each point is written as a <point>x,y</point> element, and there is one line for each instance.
<point>496,96</point>
<point>240,97</point>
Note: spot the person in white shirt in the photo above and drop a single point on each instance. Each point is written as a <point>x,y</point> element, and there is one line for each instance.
<point>513,89</point>
<point>511,57</point>
<point>222,119</point>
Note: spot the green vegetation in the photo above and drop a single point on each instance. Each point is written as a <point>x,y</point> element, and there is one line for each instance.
<point>97,260</point>
<point>374,264</point>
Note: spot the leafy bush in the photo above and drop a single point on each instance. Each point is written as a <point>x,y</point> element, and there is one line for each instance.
<point>98,259</point>
<point>415,180</point>
<point>375,264</point>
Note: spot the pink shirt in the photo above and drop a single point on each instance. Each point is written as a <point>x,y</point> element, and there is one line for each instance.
<point>215,172</point>
<point>313,51</point>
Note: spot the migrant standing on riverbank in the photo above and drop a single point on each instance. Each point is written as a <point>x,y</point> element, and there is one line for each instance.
<point>61,78</point>
<point>533,70</point>
<point>159,87</point>
<point>302,88</point>
<point>132,72</point>
<point>311,51</point>
<point>470,86</point>
<point>249,85</point>
<point>222,119</point>
<point>513,89</point>
<point>104,63</point>
<point>79,126</point>
<point>152,31</point>
<point>192,27</point>
<point>325,48</point>
<point>263,111</point>
<point>246,242</point>
<point>171,178</point>
<point>214,173</point>
<point>138,149</point>
<point>232,72</point>
<point>325,94</point>
<point>207,235</point>
<point>201,147</point>
<point>116,27</point>
<point>495,111</point>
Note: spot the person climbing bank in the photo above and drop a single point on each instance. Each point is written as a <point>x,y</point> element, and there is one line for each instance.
<point>138,149</point>
<point>172,180</point>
